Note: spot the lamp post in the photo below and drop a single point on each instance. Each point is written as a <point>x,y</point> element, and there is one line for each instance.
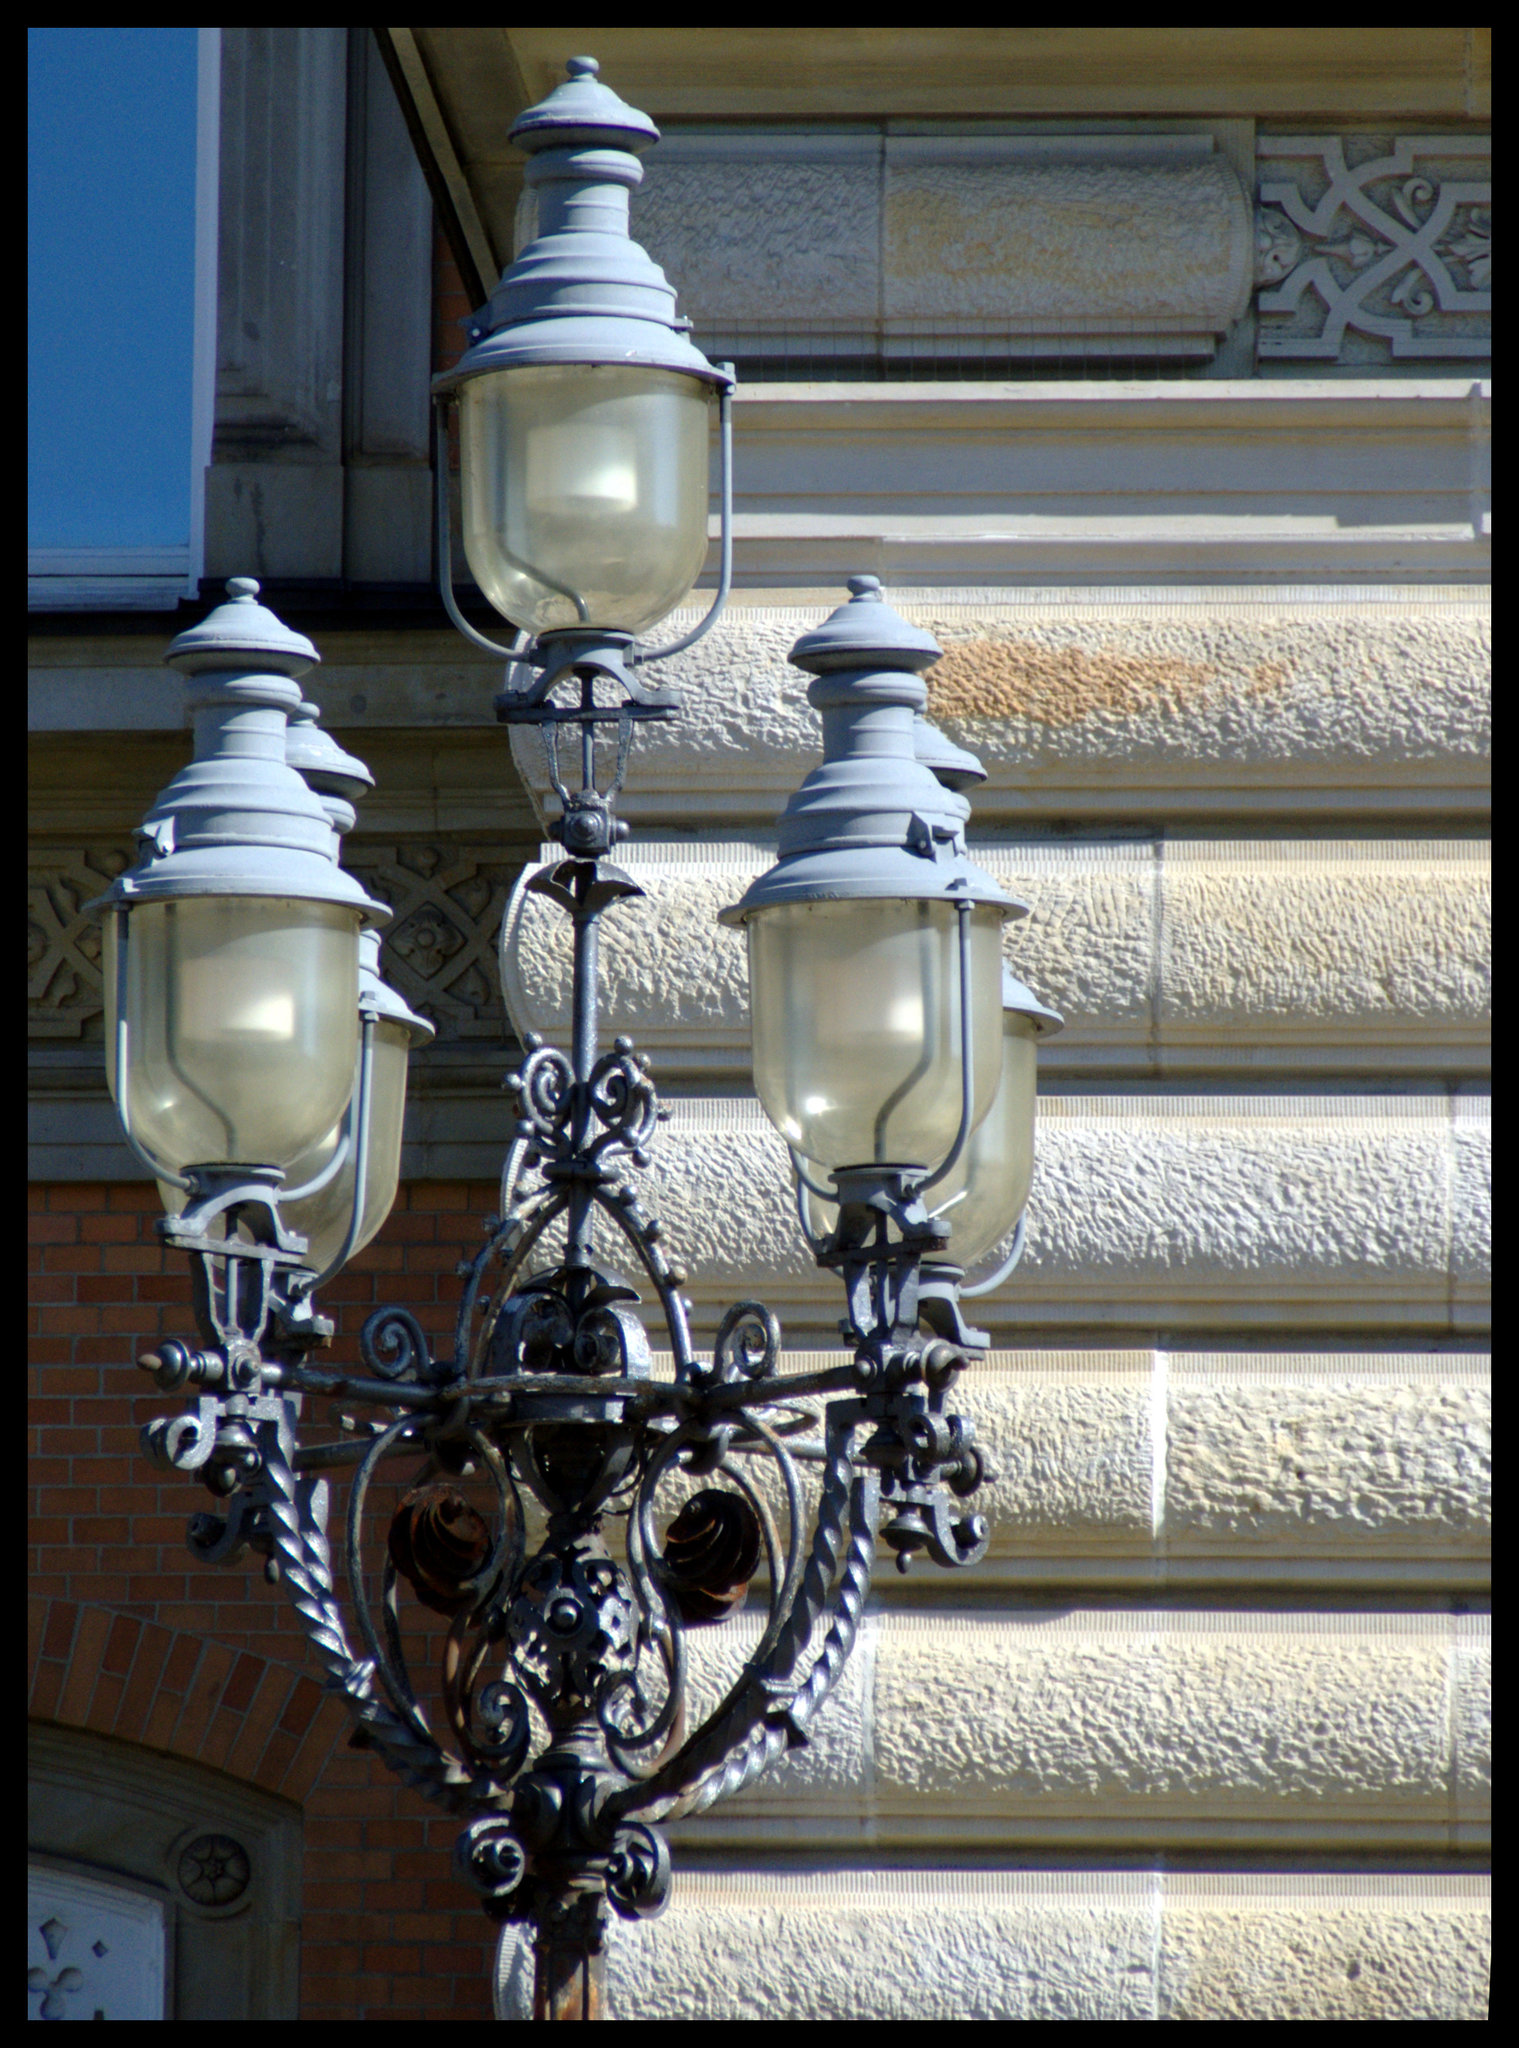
<point>258,1064</point>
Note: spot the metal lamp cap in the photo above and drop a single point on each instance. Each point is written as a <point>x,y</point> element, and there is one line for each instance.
<point>315,755</point>
<point>583,114</point>
<point>242,633</point>
<point>1017,995</point>
<point>954,766</point>
<point>865,633</point>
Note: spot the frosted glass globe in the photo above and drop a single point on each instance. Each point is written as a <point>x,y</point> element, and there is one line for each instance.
<point>584,492</point>
<point>242,1025</point>
<point>855,1013</point>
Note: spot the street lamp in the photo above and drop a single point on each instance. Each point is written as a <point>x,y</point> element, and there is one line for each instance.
<point>250,1031</point>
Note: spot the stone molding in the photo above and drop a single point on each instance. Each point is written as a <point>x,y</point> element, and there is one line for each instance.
<point>1374,248</point>
<point>320,466</point>
<point>863,244</point>
<point>1164,956</point>
<point>1044,1945</point>
<point>105,1811</point>
<point>1109,704</point>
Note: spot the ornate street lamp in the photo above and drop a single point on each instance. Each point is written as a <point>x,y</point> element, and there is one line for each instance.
<point>259,1066</point>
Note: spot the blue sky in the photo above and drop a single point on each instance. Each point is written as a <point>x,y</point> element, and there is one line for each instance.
<point>111,115</point>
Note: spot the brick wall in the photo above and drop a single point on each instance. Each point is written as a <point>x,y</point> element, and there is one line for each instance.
<point>132,1638</point>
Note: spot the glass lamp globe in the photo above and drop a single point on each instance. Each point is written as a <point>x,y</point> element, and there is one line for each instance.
<point>855,1009</point>
<point>584,491</point>
<point>987,1189</point>
<point>242,1025</point>
<point>323,1217</point>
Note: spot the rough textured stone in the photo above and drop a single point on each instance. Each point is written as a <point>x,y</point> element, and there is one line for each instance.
<point>923,1945</point>
<point>1146,1464</point>
<point>1325,1948</point>
<point>1319,1453</point>
<point>1472,1716</point>
<point>1157,954</point>
<point>1299,1719</point>
<point>1201,1209</point>
<point>1109,703</point>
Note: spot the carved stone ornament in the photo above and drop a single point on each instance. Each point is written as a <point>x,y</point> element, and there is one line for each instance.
<point>1372,247</point>
<point>63,992</point>
<point>439,948</point>
<point>214,1870</point>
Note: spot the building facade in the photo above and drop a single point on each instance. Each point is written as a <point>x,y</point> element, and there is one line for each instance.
<point>1148,370</point>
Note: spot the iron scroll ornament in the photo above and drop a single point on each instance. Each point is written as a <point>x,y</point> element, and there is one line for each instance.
<point>559,1732</point>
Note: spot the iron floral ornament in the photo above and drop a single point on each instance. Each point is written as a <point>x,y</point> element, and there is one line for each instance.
<point>559,1728</point>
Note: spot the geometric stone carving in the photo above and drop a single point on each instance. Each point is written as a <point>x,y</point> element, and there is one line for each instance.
<point>63,992</point>
<point>1372,246</point>
<point>438,950</point>
<point>895,248</point>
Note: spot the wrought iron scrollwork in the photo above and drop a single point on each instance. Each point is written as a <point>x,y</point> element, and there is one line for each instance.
<point>558,1728</point>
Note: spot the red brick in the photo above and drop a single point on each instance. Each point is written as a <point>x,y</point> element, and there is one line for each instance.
<point>143,1681</point>
<point>184,1655</point>
<point>58,1634</point>
<point>120,1645</point>
<point>84,1667</point>
<point>48,1287</point>
<point>49,1229</point>
<point>109,1230</point>
<point>71,1258</point>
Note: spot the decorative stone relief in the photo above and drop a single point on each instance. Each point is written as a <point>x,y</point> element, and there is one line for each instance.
<point>63,993</point>
<point>1373,247</point>
<point>95,1951</point>
<point>439,947</point>
<point>862,245</point>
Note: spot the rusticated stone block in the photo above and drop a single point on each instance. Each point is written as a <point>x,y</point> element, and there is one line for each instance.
<point>1336,1455</point>
<point>1296,1720</point>
<point>1160,954</point>
<point>1324,1948</point>
<point>1109,704</point>
<point>1201,1210</point>
<point>1035,1945</point>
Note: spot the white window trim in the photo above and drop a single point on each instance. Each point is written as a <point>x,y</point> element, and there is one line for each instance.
<point>155,579</point>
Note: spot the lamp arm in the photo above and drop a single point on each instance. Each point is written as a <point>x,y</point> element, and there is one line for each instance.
<point>363,1092</point>
<point>445,551</point>
<point>803,1180</point>
<point>334,1165</point>
<point>725,542</point>
<point>123,1051</point>
<point>996,1280</point>
<point>814,1244</point>
<point>967,1056</point>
